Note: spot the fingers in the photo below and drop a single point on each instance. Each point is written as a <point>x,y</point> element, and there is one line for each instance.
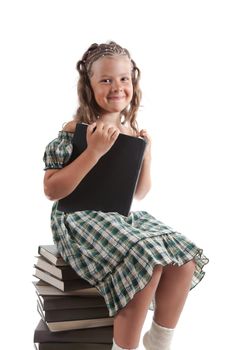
<point>115,134</point>
<point>143,133</point>
<point>107,131</point>
<point>90,128</point>
<point>100,133</point>
<point>99,127</point>
<point>112,132</point>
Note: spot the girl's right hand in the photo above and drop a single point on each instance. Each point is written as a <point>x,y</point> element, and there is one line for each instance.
<point>100,138</point>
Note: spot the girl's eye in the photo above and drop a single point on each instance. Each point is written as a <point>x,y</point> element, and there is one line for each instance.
<point>107,81</point>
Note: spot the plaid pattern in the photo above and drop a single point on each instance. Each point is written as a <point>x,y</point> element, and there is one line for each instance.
<point>58,151</point>
<point>114,253</point>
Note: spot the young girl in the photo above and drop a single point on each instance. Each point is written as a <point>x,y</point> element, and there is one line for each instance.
<point>131,260</point>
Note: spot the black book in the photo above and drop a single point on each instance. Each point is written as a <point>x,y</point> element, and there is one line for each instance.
<point>72,346</point>
<point>42,334</point>
<point>72,314</point>
<point>110,184</point>
<point>61,272</point>
<point>50,302</point>
<point>64,286</point>
<point>69,325</point>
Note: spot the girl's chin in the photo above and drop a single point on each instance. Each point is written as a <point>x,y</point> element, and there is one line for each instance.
<point>112,110</point>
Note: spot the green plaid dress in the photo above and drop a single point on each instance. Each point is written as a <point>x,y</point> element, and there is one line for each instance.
<point>115,253</point>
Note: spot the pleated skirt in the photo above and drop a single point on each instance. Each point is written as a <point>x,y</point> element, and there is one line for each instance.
<point>117,254</point>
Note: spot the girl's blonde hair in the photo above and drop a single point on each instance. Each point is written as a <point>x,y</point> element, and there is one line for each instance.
<point>88,109</point>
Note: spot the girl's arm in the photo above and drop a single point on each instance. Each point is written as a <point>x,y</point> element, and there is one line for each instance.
<point>59,183</point>
<point>144,181</point>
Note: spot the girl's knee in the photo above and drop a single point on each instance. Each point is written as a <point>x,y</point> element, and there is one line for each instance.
<point>185,269</point>
<point>189,267</point>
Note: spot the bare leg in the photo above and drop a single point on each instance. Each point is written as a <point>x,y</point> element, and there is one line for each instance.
<point>129,321</point>
<point>172,292</point>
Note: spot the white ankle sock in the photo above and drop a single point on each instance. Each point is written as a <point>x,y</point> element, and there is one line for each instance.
<point>116,347</point>
<point>158,337</point>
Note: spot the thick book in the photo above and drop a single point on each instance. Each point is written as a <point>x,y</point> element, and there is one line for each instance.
<point>50,302</point>
<point>60,284</point>
<point>72,314</point>
<point>44,288</point>
<point>72,346</point>
<point>51,253</point>
<point>110,185</point>
<point>59,326</point>
<point>42,334</point>
<point>61,272</point>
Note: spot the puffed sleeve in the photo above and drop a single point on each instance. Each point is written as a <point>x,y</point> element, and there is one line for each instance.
<point>58,151</point>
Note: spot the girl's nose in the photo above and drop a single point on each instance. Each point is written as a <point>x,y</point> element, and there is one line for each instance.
<point>116,86</point>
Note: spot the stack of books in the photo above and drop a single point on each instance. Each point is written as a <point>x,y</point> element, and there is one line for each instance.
<point>73,314</point>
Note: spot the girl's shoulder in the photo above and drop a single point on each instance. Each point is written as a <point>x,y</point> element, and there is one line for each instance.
<point>70,126</point>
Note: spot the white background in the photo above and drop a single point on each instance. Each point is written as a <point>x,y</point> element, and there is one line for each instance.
<point>184,50</point>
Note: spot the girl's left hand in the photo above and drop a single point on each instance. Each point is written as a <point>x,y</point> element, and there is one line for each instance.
<point>144,134</point>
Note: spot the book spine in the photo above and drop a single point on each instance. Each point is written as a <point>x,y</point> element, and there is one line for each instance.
<point>79,324</point>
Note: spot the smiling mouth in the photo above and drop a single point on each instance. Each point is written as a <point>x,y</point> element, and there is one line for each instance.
<point>116,98</point>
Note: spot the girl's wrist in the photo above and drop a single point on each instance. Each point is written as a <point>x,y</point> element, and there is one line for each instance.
<point>92,154</point>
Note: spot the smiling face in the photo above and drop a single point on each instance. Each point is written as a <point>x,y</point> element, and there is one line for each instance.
<point>111,82</point>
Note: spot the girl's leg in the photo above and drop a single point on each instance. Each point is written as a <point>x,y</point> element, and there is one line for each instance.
<point>129,321</point>
<point>172,292</point>
<point>170,297</point>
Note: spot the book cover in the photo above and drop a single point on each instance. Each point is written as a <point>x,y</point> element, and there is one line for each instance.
<point>50,302</point>
<point>51,253</point>
<point>42,334</point>
<point>61,272</point>
<point>72,314</point>
<point>60,326</point>
<point>62,285</point>
<point>111,183</point>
